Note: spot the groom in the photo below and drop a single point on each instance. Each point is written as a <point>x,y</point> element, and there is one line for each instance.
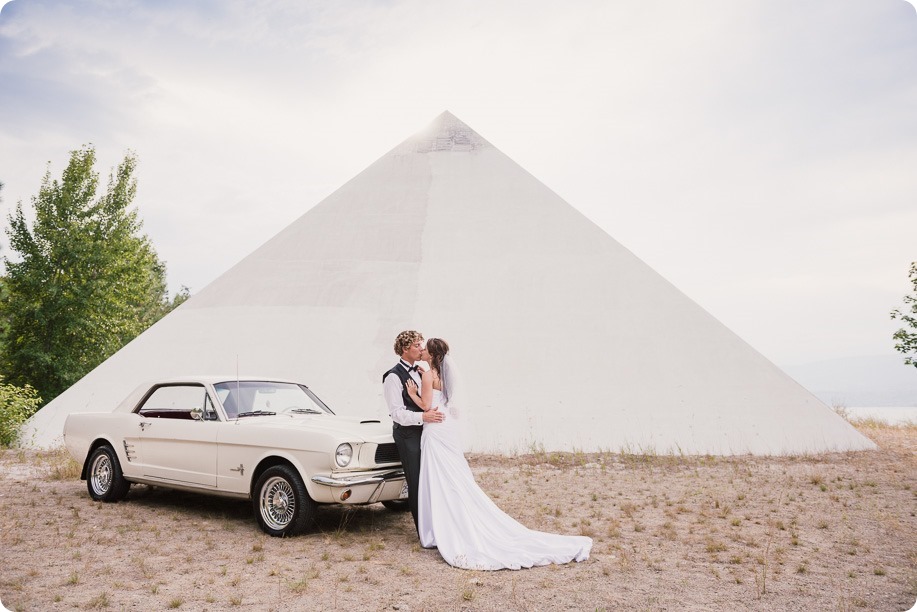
<point>407,417</point>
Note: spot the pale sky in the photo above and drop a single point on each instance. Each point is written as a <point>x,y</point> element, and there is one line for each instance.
<point>760,155</point>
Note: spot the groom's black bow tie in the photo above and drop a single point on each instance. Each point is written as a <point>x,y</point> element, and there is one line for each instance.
<point>412,368</point>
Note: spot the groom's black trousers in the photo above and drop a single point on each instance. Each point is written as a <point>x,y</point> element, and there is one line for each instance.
<point>407,439</point>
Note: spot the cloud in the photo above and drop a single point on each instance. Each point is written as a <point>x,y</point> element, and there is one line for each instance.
<point>727,144</point>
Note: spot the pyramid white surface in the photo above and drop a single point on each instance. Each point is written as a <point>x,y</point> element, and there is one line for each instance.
<point>565,339</point>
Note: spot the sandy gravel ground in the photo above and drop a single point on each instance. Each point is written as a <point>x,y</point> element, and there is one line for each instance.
<point>828,532</point>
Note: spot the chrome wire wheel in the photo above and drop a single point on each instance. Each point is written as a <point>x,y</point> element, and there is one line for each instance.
<point>101,473</point>
<point>104,478</point>
<point>281,502</point>
<point>278,503</point>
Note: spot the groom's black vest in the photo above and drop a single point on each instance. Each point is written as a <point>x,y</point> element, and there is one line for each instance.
<point>403,375</point>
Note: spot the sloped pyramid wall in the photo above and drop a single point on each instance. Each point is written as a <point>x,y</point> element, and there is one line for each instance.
<point>565,339</point>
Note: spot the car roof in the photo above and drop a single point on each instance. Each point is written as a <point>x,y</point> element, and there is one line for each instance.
<point>214,378</point>
<point>131,401</point>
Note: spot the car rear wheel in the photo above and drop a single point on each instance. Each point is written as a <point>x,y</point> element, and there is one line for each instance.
<point>282,504</point>
<point>104,478</point>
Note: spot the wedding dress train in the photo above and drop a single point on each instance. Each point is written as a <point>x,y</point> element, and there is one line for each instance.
<point>457,517</point>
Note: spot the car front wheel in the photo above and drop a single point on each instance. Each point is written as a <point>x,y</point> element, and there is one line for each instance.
<point>104,478</point>
<point>282,504</point>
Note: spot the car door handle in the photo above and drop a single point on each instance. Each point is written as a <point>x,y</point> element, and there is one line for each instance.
<point>143,426</point>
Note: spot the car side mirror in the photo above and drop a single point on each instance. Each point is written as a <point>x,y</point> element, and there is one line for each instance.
<point>197,413</point>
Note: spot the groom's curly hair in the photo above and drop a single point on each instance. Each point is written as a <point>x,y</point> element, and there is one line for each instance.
<point>406,339</point>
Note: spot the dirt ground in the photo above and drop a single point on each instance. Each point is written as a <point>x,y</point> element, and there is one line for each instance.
<point>826,532</point>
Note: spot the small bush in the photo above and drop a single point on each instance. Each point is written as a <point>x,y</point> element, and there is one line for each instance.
<point>17,404</point>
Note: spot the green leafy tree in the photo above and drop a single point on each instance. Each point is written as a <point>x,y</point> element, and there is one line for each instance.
<point>3,294</point>
<point>86,280</point>
<point>907,338</point>
<point>180,297</point>
<point>16,405</point>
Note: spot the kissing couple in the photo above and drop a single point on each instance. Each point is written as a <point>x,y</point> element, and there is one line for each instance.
<point>450,510</point>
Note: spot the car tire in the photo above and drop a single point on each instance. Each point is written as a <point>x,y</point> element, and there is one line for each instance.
<point>281,502</point>
<point>104,478</point>
<point>397,505</point>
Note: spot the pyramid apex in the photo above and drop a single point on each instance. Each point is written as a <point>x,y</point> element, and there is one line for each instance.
<point>445,133</point>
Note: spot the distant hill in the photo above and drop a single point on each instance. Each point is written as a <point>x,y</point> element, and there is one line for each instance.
<point>877,380</point>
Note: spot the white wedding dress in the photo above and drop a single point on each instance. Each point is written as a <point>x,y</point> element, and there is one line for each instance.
<point>457,517</point>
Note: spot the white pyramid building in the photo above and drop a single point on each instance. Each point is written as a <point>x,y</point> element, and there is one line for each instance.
<point>565,339</point>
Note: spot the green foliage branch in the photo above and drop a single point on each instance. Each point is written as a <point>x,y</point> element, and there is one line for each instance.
<point>86,280</point>
<point>906,337</point>
<point>17,404</point>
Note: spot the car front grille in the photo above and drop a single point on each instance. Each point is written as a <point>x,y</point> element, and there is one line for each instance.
<point>387,453</point>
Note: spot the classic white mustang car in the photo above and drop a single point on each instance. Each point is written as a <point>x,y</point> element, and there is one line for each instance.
<point>270,441</point>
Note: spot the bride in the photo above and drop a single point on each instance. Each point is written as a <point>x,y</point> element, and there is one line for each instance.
<point>454,514</point>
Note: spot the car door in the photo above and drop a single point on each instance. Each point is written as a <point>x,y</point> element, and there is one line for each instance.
<point>176,447</point>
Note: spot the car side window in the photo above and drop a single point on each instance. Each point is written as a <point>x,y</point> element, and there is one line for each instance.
<point>176,402</point>
<point>210,411</point>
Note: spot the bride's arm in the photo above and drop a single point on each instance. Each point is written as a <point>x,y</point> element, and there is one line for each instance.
<point>426,390</point>
<point>425,399</point>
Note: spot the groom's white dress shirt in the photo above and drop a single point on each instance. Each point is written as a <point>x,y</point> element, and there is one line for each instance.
<point>391,389</point>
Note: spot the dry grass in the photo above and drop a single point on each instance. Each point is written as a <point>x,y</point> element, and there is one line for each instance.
<point>825,532</point>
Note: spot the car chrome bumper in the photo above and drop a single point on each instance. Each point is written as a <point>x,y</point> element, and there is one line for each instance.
<point>366,489</point>
<point>357,480</point>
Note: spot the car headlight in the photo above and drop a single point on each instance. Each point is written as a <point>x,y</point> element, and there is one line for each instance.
<point>343,454</point>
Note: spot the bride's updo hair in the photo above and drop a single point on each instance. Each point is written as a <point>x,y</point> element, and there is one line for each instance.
<point>437,347</point>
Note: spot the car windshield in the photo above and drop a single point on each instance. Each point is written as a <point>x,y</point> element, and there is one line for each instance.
<point>253,398</point>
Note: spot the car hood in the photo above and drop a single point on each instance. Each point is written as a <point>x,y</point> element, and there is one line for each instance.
<point>351,428</point>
